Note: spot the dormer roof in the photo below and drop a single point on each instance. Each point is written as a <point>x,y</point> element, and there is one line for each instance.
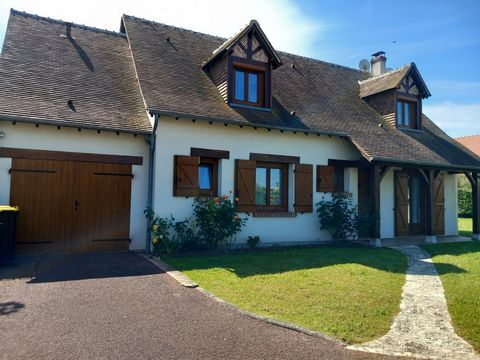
<point>252,26</point>
<point>391,80</point>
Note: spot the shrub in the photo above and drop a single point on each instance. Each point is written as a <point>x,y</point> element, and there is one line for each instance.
<point>339,216</point>
<point>464,203</point>
<point>217,221</point>
<point>253,241</point>
<point>213,224</point>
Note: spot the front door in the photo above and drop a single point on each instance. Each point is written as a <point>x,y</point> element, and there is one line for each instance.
<point>410,204</point>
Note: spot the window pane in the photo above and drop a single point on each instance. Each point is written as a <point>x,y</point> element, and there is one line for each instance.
<point>239,85</point>
<point>415,201</point>
<point>205,173</point>
<point>399,113</point>
<point>252,87</point>
<point>407,114</point>
<point>275,187</point>
<point>261,187</point>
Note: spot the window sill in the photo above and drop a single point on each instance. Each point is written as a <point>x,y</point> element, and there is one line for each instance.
<point>408,129</point>
<point>260,108</point>
<point>274,214</point>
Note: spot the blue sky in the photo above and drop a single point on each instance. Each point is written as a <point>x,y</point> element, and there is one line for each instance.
<point>441,37</point>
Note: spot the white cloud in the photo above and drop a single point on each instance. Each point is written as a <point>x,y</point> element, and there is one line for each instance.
<point>454,118</point>
<point>286,26</point>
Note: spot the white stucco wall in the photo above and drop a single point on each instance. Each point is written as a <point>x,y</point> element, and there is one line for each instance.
<point>451,204</point>
<point>46,137</point>
<point>387,204</point>
<point>176,137</point>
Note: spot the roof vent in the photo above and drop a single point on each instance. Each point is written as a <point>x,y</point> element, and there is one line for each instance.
<point>379,63</point>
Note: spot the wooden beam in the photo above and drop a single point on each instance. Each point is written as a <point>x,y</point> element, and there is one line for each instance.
<point>216,154</point>
<point>275,158</point>
<point>69,156</point>
<point>349,163</point>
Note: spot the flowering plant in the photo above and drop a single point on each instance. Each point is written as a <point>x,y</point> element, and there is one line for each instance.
<point>217,220</point>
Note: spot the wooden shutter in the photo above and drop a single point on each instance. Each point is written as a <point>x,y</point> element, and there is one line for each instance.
<point>185,181</point>
<point>401,204</point>
<point>438,206</point>
<point>304,188</point>
<point>245,185</point>
<point>325,178</point>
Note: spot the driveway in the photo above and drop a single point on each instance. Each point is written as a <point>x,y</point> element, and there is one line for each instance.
<point>122,306</point>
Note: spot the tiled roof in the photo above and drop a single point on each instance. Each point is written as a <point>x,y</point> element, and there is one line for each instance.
<point>313,96</point>
<point>42,69</point>
<point>387,81</point>
<point>471,142</point>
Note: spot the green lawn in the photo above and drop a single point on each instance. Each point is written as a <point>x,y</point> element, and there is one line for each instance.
<point>465,226</point>
<point>351,293</point>
<point>459,267</point>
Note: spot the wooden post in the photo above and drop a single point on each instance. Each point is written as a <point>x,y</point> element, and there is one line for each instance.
<point>475,206</point>
<point>375,179</point>
<point>429,209</point>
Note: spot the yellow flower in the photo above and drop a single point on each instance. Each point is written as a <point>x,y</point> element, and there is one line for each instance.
<point>155,240</point>
<point>155,227</point>
<point>161,236</point>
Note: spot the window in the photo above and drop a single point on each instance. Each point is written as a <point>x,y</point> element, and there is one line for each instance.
<point>271,186</point>
<point>248,86</point>
<point>330,178</point>
<point>208,177</point>
<point>195,176</point>
<point>407,114</point>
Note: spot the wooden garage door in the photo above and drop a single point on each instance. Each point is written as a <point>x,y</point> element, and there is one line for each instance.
<point>68,206</point>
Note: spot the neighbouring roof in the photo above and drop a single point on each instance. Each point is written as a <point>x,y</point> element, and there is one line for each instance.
<point>471,142</point>
<point>312,96</point>
<point>42,69</point>
<point>390,80</point>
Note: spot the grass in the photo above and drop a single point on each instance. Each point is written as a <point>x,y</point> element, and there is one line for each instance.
<point>352,293</point>
<point>465,227</point>
<point>462,287</point>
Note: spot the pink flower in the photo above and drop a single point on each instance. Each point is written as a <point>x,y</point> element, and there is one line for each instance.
<point>225,197</point>
<point>237,199</point>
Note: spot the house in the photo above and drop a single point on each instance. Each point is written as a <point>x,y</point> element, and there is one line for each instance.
<point>99,125</point>
<point>471,142</point>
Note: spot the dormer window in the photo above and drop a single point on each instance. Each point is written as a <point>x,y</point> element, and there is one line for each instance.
<point>248,86</point>
<point>241,69</point>
<point>407,115</point>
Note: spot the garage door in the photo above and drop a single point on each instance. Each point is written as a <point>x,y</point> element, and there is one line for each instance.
<point>71,206</point>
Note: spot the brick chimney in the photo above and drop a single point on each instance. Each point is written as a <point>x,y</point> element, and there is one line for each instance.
<point>379,63</point>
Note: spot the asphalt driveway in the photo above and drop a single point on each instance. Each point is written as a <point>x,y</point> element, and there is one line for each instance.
<point>122,306</point>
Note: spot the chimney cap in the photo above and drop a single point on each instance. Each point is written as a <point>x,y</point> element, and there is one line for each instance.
<point>378,53</point>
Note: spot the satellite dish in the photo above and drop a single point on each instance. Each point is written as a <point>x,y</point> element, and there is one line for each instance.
<point>364,65</point>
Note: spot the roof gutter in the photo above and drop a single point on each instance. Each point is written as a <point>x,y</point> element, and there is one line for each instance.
<point>68,124</point>
<point>246,124</point>
<point>424,163</point>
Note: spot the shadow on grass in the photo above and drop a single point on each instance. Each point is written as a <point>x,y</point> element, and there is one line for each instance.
<point>276,261</point>
<point>454,249</point>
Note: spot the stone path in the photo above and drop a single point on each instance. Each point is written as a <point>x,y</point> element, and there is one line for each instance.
<point>423,327</point>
